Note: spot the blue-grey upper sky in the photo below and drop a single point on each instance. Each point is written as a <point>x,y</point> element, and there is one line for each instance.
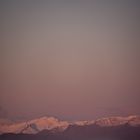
<point>70,59</point>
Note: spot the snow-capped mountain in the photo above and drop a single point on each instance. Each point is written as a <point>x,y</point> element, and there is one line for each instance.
<point>50,123</point>
<point>34,126</point>
<point>115,121</point>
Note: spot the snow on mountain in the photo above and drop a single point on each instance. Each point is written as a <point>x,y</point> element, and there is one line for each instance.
<point>115,121</point>
<point>51,123</point>
<point>82,123</point>
<point>134,120</point>
<point>34,126</point>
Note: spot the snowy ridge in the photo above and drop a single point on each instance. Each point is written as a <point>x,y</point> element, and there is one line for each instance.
<point>34,126</point>
<point>82,123</point>
<point>50,123</point>
<point>115,121</point>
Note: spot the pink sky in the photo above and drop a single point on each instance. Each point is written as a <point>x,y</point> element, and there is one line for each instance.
<point>70,60</point>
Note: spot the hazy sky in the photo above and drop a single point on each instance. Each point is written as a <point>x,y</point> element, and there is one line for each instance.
<point>70,59</point>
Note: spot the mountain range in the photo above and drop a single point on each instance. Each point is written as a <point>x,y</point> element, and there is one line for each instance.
<point>50,128</point>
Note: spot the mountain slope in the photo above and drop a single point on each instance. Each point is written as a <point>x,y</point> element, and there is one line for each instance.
<point>87,132</point>
<point>34,126</point>
<point>53,125</point>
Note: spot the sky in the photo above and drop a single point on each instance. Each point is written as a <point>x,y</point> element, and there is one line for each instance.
<point>75,60</point>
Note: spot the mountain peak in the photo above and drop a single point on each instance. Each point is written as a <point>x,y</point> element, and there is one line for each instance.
<point>34,126</point>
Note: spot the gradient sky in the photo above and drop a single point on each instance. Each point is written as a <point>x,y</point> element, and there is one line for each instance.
<point>70,59</point>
